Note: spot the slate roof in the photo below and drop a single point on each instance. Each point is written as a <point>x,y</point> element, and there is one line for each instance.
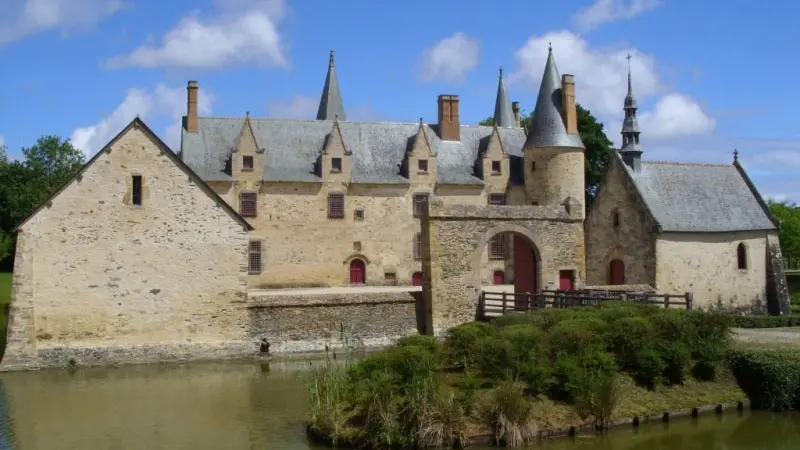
<point>691,197</point>
<point>292,147</point>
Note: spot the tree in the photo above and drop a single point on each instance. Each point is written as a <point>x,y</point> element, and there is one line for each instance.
<point>26,184</point>
<point>789,216</point>
<point>598,147</point>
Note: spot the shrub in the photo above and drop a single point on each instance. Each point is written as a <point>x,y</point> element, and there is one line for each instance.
<point>330,409</point>
<point>514,353</point>
<point>546,318</point>
<point>429,343</point>
<point>573,336</point>
<point>461,343</point>
<point>509,415</point>
<point>444,423</point>
<point>611,311</point>
<point>760,321</point>
<point>576,377</point>
<point>711,335</point>
<point>677,357</point>
<point>649,367</point>
<point>769,377</point>
<point>510,319</point>
<point>704,370</point>
<point>629,336</point>
<point>598,397</point>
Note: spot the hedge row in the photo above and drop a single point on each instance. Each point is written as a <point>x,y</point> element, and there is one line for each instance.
<point>769,377</point>
<point>766,321</point>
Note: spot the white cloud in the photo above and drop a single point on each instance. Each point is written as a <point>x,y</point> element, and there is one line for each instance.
<point>604,11</point>
<point>601,84</point>
<point>161,102</point>
<point>305,107</point>
<point>242,33</point>
<point>450,59</point>
<point>33,16</point>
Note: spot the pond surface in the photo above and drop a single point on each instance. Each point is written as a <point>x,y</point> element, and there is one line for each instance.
<point>237,406</point>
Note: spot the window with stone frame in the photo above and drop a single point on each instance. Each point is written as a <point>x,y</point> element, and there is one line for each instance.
<point>248,204</point>
<point>247,162</point>
<point>418,246</point>
<point>336,164</point>
<point>496,167</point>
<point>254,257</point>
<point>336,205</point>
<point>358,214</point>
<point>422,165</point>
<point>497,244</point>
<point>420,204</point>
<point>136,190</point>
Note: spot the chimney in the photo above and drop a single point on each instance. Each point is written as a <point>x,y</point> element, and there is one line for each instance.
<point>568,107</point>
<point>515,108</point>
<point>449,124</point>
<point>191,106</point>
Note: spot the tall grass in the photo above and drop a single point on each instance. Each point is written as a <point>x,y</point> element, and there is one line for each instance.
<point>510,415</point>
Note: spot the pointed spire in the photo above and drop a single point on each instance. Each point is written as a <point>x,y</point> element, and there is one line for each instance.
<point>631,151</point>
<point>735,155</point>
<point>503,113</point>
<point>330,104</point>
<point>547,124</point>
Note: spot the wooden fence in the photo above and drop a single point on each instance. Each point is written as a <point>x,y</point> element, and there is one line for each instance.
<point>492,304</point>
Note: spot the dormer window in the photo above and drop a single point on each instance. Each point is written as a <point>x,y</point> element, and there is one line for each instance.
<point>496,168</point>
<point>336,164</point>
<point>247,163</point>
<point>422,165</point>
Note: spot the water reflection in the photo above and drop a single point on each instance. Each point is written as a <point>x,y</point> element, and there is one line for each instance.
<point>235,406</point>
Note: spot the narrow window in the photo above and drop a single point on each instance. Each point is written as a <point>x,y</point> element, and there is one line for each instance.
<point>496,167</point>
<point>136,194</point>
<point>390,277</point>
<point>247,204</point>
<point>497,246</point>
<point>422,165</point>
<point>741,256</point>
<point>418,246</point>
<point>247,163</point>
<point>616,218</point>
<point>357,246</point>
<point>254,257</point>
<point>497,199</point>
<point>420,204</point>
<point>336,164</point>
<point>336,206</point>
<point>533,166</point>
<point>359,214</point>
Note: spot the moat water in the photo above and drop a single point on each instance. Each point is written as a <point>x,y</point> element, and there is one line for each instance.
<point>237,406</point>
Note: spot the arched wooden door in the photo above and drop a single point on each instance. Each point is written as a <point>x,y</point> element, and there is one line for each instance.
<point>358,272</point>
<point>616,272</point>
<point>499,277</point>
<point>416,279</point>
<point>524,266</point>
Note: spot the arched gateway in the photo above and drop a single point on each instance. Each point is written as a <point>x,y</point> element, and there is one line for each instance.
<point>454,238</point>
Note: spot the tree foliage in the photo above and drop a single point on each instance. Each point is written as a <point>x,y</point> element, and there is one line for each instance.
<point>789,216</point>
<point>28,182</point>
<point>598,147</point>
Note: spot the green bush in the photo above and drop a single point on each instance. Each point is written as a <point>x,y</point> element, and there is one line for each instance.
<point>514,353</point>
<point>612,311</point>
<point>677,357</point>
<point>765,321</point>
<point>429,343</point>
<point>711,335</point>
<point>573,336</point>
<point>461,343</point>
<point>579,375</point>
<point>704,370</point>
<point>769,377</point>
<point>649,367</point>
<point>629,336</point>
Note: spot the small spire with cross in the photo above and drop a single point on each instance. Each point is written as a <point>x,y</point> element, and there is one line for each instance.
<point>629,61</point>
<point>330,60</point>
<point>735,155</point>
<point>550,47</point>
<point>501,71</point>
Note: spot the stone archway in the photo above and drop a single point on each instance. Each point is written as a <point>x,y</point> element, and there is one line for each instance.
<point>453,240</point>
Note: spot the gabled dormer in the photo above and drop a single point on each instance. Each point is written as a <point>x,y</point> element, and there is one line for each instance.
<point>335,162</point>
<point>493,165</point>
<point>247,156</point>
<point>419,164</point>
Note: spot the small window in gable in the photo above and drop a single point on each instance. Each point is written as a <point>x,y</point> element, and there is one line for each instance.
<point>247,163</point>
<point>359,214</point>
<point>336,205</point>
<point>248,204</point>
<point>496,167</point>
<point>420,204</point>
<point>741,256</point>
<point>336,164</point>
<point>422,165</point>
<point>615,215</point>
<point>136,190</point>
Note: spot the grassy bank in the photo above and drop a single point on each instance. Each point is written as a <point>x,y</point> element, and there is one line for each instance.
<point>550,369</point>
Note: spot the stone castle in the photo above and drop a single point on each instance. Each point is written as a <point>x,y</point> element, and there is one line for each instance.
<point>283,231</point>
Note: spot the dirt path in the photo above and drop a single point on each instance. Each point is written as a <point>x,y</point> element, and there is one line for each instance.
<point>783,336</point>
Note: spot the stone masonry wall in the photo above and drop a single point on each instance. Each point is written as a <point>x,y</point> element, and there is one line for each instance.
<point>632,241</point>
<point>308,323</point>
<point>100,279</point>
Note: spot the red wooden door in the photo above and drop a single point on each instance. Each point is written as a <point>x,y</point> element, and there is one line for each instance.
<point>499,277</point>
<point>357,272</point>
<point>565,280</point>
<point>416,279</point>
<point>525,273</point>
<point>617,272</point>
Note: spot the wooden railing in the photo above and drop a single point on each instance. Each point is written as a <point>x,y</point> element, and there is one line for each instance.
<point>498,303</point>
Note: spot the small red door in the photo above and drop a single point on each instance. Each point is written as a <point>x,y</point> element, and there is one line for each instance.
<point>357,272</point>
<point>565,278</point>
<point>499,277</point>
<point>617,272</point>
<point>416,279</point>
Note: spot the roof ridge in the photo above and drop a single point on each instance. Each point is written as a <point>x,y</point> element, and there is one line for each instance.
<point>678,163</point>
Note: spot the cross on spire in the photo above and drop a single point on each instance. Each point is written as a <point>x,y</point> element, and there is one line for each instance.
<point>735,155</point>
<point>629,61</point>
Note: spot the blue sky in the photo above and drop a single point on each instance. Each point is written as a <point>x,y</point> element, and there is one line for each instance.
<point>710,76</point>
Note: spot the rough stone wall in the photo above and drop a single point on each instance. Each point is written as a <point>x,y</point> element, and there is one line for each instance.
<point>706,265</point>
<point>632,242</point>
<point>455,242</point>
<point>302,247</point>
<point>778,300</point>
<point>309,323</point>
<point>95,272</point>
<point>554,174</point>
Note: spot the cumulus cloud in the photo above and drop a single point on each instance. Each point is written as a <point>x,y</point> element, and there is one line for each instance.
<point>158,103</point>
<point>601,84</point>
<point>449,59</point>
<point>241,33</point>
<point>23,18</point>
<point>604,11</point>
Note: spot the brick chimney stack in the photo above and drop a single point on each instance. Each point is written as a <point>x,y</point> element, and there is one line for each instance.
<point>191,106</point>
<point>568,103</point>
<point>449,123</point>
<point>515,108</point>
